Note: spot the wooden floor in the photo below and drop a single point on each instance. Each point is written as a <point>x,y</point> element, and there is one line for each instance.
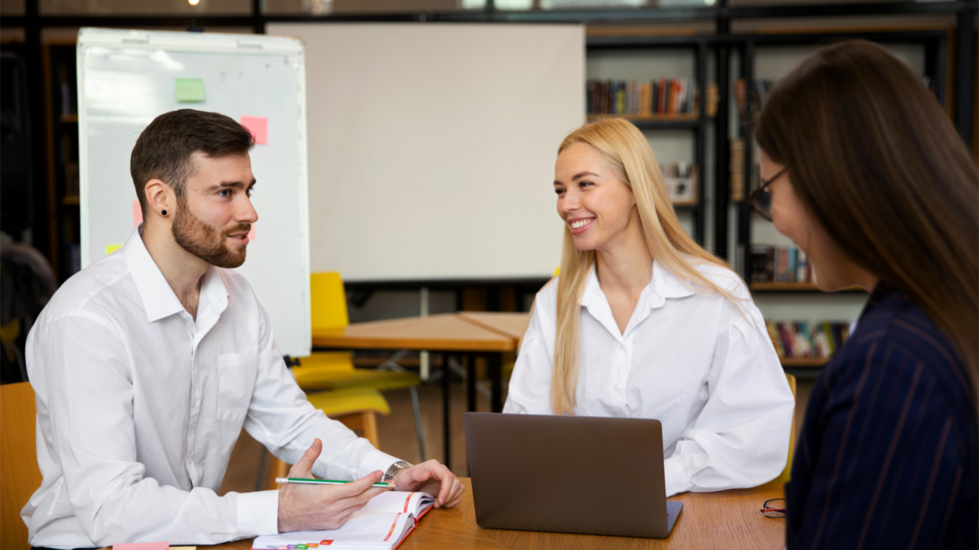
<point>397,432</point>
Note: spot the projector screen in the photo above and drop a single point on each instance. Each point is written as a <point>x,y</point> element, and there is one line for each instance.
<point>432,147</point>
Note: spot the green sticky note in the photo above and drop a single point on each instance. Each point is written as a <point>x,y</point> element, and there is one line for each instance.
<point>189,90</point>
<point>110,248</point>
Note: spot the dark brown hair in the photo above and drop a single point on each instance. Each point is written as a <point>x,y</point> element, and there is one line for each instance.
<point>165,147</point>
<point>877,162</point>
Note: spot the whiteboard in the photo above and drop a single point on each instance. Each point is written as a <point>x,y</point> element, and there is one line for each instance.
<point>127,78</point>
<point>432,146</point>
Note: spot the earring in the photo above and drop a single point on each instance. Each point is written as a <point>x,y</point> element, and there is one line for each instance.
<point>164,212</point>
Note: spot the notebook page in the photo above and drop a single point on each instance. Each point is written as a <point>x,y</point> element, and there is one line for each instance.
<point>394,502</point>
<point>363,530</point>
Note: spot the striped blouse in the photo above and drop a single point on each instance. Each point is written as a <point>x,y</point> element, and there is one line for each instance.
<point>887,457</point>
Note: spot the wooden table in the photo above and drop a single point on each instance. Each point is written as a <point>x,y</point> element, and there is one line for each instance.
<point>446,333</point>
<point>728,519</point>
<point>513,325</point>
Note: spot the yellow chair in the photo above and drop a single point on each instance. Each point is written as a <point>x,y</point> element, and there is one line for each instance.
<point>784,476</point>
<point>356,408</point>
<point>335,370</point>
<point>19,474</point>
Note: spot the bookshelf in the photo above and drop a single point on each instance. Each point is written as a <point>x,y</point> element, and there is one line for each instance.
<point>650,31</point>
<point>656,122</point>
<point>60,105</point>
<point>649,118</point>
<point>927,46</point>
<point>644,57</point>
<point>810,362</point>
<point>795,287</point>
<point>770,55</point>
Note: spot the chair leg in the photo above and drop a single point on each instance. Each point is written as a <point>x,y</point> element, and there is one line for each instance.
<point>369,422</point>
<point>260,478</point>
<point>276,468</point>
<point>418,422</point>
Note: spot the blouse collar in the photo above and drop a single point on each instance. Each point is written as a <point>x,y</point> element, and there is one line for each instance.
<point>662,285</point>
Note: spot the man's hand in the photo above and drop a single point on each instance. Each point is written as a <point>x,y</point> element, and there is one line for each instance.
<point>432,478</point>
<point>316,507</point>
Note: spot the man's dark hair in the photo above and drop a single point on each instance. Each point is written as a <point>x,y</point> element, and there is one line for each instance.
<point>165,147</point>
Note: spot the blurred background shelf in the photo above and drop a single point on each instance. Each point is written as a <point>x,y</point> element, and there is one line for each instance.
<point>803,361</point>
<point>796,287</point>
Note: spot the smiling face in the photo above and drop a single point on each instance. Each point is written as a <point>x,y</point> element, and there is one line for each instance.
<point>596,206</point>
<point>214,213</point>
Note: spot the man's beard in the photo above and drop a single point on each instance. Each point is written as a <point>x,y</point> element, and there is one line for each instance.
<point>203,240</point>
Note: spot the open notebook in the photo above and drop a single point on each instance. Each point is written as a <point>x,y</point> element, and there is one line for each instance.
<point>386,521</point>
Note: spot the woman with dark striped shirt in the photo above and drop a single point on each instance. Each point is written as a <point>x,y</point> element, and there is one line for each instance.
<point>863,170</point>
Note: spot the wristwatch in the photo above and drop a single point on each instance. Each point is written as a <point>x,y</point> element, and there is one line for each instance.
<point>395,468</point>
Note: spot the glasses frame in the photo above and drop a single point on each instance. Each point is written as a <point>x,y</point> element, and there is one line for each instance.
<point>753,197</point>
<point>765,509</point>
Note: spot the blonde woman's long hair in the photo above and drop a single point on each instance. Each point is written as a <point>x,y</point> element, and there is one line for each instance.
<point>631,159</point>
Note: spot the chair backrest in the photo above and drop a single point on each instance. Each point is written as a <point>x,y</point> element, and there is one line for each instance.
<point>784,476</point>
<point>19,475</point>
<point>328,300</point>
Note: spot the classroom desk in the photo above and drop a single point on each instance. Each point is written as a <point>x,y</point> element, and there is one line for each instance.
<point>447,333</point>
<point>728,519</point>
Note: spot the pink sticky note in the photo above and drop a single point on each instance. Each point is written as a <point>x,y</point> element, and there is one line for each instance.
<point>137,214</point>
<point>142,546</point>
<point>251,234</point>
<point>258,126</point>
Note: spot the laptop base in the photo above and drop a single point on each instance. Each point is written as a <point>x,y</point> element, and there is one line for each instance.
<point>672,512</point>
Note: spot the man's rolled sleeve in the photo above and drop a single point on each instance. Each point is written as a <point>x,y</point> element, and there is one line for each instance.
<point>376,460</point>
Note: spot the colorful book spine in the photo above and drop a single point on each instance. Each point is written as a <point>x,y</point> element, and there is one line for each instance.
<point>794,339</point>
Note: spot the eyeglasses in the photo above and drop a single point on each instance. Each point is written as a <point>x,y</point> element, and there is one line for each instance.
<point>761,199</point>
<point>774,508</point>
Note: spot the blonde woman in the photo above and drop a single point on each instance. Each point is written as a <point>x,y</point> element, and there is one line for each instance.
<point>644,323</point>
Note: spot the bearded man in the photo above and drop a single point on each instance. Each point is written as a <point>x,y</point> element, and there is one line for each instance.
<point>147,364</point>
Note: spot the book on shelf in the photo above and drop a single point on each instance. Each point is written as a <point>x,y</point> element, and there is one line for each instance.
<point>778,264</point>
<point>69,99</point>
<point>681,180</point>
<point>797,339</point>
<point>383,524</point>
<point>755,176</point>
<point>713,98</point>
<point>664,96</point>
<point>736,169</point>
<point>750,96</point>
<point>71,179</point>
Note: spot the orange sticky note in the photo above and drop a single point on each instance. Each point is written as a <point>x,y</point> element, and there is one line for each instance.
<point>137,214</point>
<point>251,234</point>
<point>258,126</point>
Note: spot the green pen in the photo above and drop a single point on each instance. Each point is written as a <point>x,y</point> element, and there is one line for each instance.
<point>299,480</point>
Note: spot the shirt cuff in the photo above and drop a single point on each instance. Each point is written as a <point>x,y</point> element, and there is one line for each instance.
<point>677,480</point>
<point>376,460</point>
<point>258,514</point>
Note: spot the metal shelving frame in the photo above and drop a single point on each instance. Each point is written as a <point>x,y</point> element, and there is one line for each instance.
<point>936,44</point>
<point>699,45</point>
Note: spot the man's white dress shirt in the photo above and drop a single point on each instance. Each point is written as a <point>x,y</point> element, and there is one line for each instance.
<point>691,360</point>
<point>139,407</point>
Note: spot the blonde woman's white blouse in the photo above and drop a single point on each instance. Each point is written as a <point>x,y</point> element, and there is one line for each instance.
<point>691,360</point>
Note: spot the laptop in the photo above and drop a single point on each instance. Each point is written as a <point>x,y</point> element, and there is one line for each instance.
<point>567,474</point>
